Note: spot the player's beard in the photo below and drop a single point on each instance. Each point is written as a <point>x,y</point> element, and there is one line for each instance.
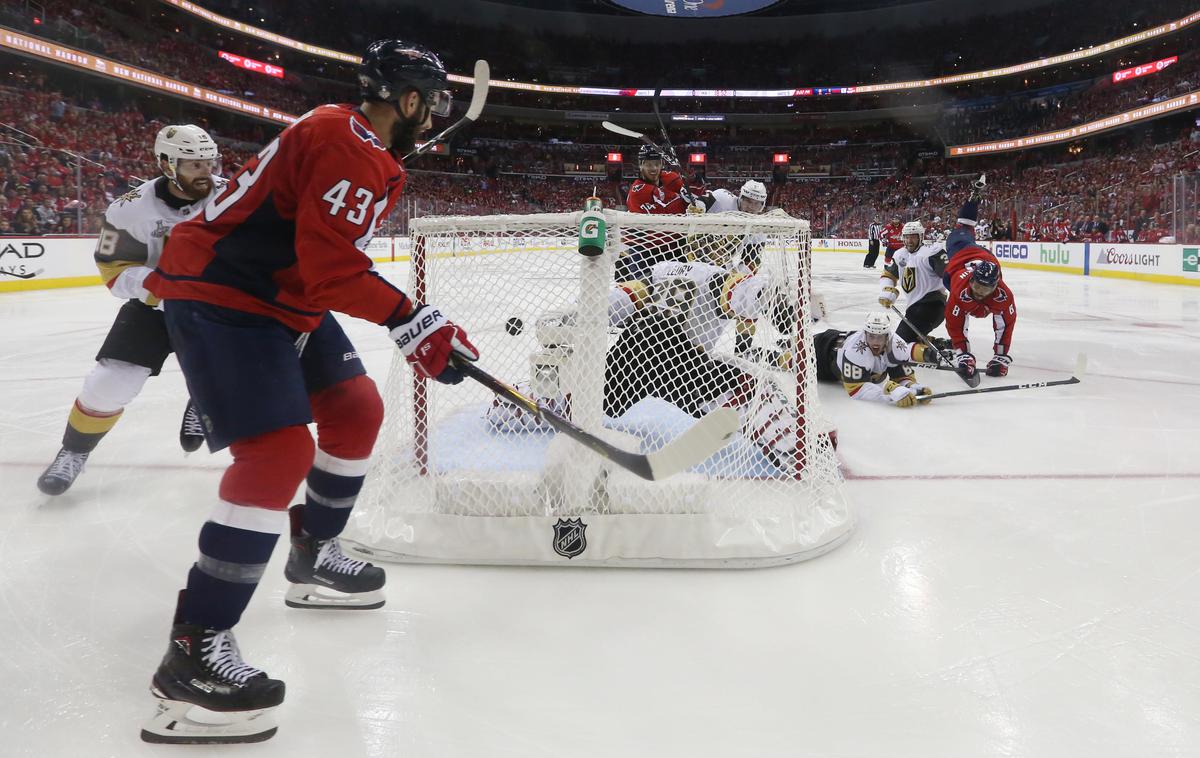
<point>196,189</point>
<point>405,133</point>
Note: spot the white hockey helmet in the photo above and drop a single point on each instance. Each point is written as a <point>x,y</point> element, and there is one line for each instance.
<point>184,142</point>
<point>754,193</point>
<point>913,227</point>
<point>877,323</point>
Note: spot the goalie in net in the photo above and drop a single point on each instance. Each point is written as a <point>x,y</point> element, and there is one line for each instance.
<point>668,324</point>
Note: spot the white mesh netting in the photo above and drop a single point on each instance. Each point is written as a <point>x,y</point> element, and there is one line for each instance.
<point>679,316</point>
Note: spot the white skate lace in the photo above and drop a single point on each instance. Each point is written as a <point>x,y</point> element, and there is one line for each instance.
<point>191,423</point>
<point>67,465</point>
<point>223,657</point>
<point>331,557</point>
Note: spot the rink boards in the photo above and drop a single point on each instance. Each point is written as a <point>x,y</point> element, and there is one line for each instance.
<point>33,263</point>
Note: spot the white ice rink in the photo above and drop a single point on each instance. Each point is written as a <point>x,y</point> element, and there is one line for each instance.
<point>1024,579</point>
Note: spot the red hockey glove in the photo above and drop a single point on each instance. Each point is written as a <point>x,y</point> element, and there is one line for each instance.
<point>427,338</point>
<point>964,364</point>
<point>998,365</point>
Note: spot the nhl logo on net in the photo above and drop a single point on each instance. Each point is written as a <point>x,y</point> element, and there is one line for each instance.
<point>570,537</point>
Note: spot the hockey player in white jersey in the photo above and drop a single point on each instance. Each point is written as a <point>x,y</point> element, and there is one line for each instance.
<point>917,269</point>
<point>670,324</point>
<point>752,198</point>
<point>873,363</point>
<point>131,240</point>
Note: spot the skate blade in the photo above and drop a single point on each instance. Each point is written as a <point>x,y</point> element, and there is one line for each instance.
<point>324,598</point>
<point>180,723</point>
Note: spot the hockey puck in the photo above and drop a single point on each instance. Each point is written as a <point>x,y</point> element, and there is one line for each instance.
<point>514,326</point>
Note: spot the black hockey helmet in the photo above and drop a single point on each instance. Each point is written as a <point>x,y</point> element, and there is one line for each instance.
<point>649,153</point>
<point>986,274</point>
<point>392,67</point>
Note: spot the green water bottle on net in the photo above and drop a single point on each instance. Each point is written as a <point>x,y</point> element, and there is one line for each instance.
<point>593,229</point>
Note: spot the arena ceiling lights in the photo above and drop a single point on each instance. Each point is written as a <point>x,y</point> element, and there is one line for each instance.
<point>858,89</point>
<point>1184,102</point>
<point>694,8</point>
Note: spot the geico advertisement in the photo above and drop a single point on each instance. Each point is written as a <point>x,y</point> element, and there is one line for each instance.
<point>1067,255</point>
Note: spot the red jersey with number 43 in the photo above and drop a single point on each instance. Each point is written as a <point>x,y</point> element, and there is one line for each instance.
<point>1000,305</point>
<point>287,237</point>
<point>663,197</point>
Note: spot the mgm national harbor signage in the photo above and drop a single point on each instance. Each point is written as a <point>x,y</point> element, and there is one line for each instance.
<point>694,8</point>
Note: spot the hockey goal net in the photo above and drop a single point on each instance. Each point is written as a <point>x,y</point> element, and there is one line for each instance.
<point>678,316</point>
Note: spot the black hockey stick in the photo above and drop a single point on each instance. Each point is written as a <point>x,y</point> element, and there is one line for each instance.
<point>662,128</point>
<point>479,95</point>
<point>1005,388</point>
<point>1080,367</point>
<point>972,382</point>
<point>705,437</point>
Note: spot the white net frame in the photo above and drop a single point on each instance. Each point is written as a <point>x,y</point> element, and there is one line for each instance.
<point>459,477</point>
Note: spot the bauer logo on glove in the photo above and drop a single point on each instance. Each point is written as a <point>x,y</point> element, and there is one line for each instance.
<point>427,339</point>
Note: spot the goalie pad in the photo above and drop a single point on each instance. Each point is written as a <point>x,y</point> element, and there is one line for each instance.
<point>504,417</point>
<point>555,329</point>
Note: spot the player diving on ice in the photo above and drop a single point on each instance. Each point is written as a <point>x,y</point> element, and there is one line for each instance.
<point>977,289</point>
<point>873,363</point>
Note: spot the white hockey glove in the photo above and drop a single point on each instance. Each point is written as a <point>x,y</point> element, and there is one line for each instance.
<point>130,285</point>
<point>887,296</point>
<point>427,338</point>
<point>697,209</point>
<point>922,393</point>
<point>900,395</point>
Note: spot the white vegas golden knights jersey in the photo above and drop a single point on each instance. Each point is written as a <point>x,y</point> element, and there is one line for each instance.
<point>725,201</point>
<point>710,296</point>
<point>862,371</point>
<point>135,228</point>
<point>917,277</point>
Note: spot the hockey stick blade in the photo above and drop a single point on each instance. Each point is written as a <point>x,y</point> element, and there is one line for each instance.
<point>705,437</point>
<point>615,129</point>
<point>696,445</point>
<point>1007,388</point>
<point>479,95</point>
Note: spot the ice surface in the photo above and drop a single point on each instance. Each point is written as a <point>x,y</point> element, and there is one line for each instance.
<point>1024,580</point>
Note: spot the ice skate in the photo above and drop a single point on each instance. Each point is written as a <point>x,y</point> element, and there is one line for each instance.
<point>61,474</point>
<point>191,430</point>
<point>208,694</point>
<point>322,576</point>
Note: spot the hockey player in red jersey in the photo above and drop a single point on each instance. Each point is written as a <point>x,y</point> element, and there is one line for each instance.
<point>655,190</point>
<point>976,289</point>
<point>248,289</point>
<point>893,239</point>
